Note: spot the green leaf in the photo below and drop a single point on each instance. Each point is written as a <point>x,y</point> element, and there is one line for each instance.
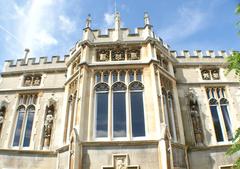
<point>238,9</point>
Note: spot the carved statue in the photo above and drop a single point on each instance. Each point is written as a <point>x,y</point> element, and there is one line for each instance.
<point>28,81</point>
<point>1,118</point>
<point>120,163</point>
<point>197,127</point>
<point>48,126</point>
<point>36,81</point>
<point>196,119</point>
<point>215,74</point>
<point>205,75</point>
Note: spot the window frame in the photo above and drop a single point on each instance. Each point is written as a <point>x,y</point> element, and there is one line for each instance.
<point>23,126</point>
<point>213,90</point>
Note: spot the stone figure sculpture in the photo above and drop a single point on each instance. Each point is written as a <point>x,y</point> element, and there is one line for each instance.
<point>196,119</point>
<point>197,128</point>
<point>48,124</point>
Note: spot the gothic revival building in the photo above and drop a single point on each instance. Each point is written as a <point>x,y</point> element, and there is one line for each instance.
<point>119,101</point>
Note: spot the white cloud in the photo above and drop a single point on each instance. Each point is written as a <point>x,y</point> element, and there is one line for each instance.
<point>44,38</point>
<point>189,22</point>
<point>66,24</point>
<point>109,19</point>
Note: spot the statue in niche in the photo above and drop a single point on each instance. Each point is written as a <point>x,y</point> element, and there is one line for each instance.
<point>215,74</point>
<point>28,81</point>
<point>48,125</point>
<point>37,81</point>
<point>196,119</point>
<point>197,128</point>
<point>1,117</point>
<point>205,75</point>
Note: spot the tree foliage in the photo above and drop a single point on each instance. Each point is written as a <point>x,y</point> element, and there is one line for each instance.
<point>234,64</point>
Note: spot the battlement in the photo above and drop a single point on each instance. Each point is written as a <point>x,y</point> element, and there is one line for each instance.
<point>201,54</point>
<point>35,63</point>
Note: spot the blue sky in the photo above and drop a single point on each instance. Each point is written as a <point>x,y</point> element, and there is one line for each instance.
<point>52,27</point>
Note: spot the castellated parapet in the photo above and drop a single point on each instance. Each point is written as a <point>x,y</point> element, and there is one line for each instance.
<point>33,64</point>
<point>201,54</point>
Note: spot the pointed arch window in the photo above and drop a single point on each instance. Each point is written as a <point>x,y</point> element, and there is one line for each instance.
<point>137,109</point>
<point>25,118</point>
<point>101,90</point>
<point>219,107</point>
<point>119,109</point>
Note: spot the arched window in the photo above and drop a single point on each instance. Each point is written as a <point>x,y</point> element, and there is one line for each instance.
<point>24,126</point>
<point>220,113</point>
<point>119,109</point>
<point>216,121</point>
<point>137,109</point>
<point>101,91</point>
<point>226,118</point>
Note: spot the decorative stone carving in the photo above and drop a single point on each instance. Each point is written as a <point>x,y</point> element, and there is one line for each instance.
<point>133,54</point>
<point>32,80</point>
<point>48,124</point>
<point>206,75</point>
<point>215,74</point>
<point>103,55</point>
<point>196,119</point>
<point>27,81</point>
<point>118,55</point>
<point>120,161</point>
<point>36,81</point>
<point>2,115</point>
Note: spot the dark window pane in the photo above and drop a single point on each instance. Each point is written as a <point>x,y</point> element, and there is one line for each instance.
<point>131,76</point>
<point>216,122</point>
<point>138,125</point>
<point>18,128</point>
<point>102,114</point>
<point>28,129</point>
<point>98,77</point>
<point>114,77</point>
<point>122,76</point>
<point>105,77</point>
<point>227,121</point>
<point>139,76</point>
<point>119,114</point>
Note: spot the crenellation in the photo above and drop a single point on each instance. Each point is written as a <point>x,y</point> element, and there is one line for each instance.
<point>201,54</point>
<point>19,63</point>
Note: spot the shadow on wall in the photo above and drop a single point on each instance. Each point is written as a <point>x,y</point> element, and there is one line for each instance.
<point>183,89</point>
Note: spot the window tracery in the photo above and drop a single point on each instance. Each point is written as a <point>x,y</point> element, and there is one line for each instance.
<point>118,92</point>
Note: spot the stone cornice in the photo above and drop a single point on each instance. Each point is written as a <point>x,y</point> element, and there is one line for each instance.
<point>46,70</point>
<point>32,89</point>
<point>31,152</point>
